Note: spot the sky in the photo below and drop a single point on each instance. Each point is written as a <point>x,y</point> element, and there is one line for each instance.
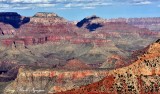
<point>75,10</point>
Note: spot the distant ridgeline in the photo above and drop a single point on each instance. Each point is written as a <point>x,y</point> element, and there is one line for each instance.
<point>44,27</point>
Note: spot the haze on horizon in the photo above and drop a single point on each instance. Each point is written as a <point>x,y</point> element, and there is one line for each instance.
<point>78,9</point>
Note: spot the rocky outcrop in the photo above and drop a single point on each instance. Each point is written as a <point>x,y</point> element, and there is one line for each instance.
<point>45,15</point>
<point>91,23</point>
<point>142,76</point>
<point>49,18</point>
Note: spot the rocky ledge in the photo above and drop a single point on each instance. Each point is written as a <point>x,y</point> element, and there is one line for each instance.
<point>45,15</point>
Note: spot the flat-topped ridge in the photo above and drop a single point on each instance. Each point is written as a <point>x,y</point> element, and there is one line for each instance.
<point>45,14</point>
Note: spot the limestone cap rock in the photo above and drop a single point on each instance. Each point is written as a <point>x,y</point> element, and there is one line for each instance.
<point>45,14</point>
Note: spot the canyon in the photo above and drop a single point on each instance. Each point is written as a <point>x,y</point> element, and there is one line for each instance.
<point>140,77</point>
<point>46,53</point>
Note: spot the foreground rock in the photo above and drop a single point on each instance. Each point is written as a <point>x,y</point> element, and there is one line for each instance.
<point>51,81</point>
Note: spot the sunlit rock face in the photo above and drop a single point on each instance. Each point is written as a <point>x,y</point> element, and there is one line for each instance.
<point>49,18</point>
<point>52,81</point>
<point>45,15</point>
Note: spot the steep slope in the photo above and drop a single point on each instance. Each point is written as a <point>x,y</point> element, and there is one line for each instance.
<point>143,76</point>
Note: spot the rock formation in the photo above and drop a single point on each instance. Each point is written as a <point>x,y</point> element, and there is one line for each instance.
<point>45,15</point>
<point>43,47</point>
<point>52,81</point>
<point>91,23</point>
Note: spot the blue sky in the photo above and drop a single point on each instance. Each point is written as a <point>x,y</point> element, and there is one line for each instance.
<point>78,9</point>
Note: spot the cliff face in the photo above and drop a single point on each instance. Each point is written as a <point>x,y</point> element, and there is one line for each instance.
<point>51,81</point>
<point>50,18</point>
<point>45,15</point>
<point>142,76</point>
<point>149,23</point>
